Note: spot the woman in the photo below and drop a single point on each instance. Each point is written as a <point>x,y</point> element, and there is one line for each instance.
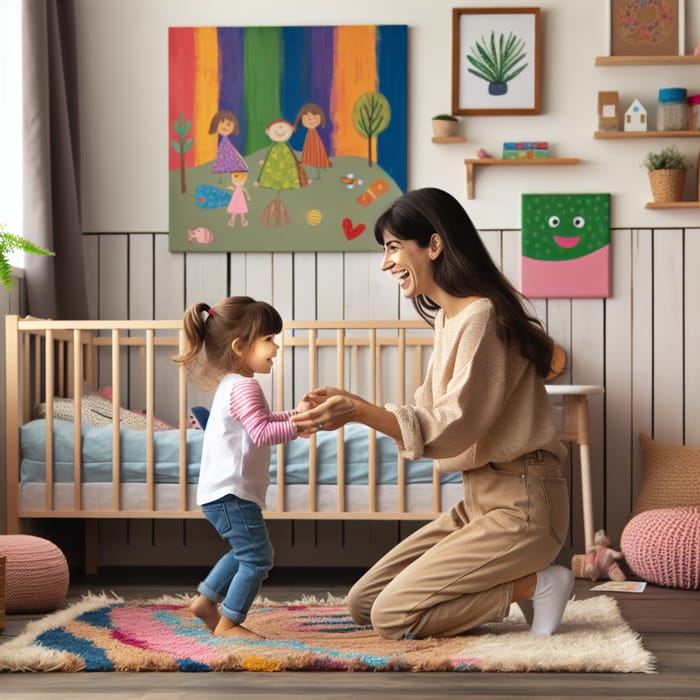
<point>482,410</point>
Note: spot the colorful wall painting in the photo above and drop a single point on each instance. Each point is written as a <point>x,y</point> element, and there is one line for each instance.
<point>284,138</point>
<point>565,246</point>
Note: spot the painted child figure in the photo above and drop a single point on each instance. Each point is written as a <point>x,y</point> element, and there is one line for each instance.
<point>238,204</point>
<point>229,343</point>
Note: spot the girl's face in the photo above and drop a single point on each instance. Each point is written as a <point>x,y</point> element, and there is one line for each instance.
<point>238,178</point>
<point>257,358</point>
<point>311,120</point>
<point>280,131</point>
<point>409,264</point>
<point>225,127</point>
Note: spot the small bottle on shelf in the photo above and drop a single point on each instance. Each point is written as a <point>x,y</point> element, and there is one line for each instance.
<point>672,110</point>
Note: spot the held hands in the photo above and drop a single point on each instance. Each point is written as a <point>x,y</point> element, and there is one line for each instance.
<point>329,409</point>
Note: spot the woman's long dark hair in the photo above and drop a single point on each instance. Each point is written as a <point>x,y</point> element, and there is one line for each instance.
<point>464,268</point>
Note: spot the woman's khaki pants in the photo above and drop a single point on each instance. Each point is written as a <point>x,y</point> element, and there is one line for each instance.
<point>457,571</point>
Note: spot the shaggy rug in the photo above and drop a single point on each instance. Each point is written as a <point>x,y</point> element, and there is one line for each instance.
<point>103,633</point>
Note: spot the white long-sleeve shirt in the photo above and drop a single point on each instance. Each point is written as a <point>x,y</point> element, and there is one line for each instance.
<point>236,449</point>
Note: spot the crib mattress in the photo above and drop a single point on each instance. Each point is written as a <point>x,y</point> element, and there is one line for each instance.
<point>96,450</point>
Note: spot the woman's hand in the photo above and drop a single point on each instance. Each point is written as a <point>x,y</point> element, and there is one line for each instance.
<point>337,410</point>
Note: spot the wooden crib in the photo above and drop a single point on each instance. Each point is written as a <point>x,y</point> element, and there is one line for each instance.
<point>59,364</point>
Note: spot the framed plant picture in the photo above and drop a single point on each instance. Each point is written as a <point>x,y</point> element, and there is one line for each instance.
<point>646,27</point>
<point>496,61</point>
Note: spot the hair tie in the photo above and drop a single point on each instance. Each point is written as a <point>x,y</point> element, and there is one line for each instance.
<point>206,313</point>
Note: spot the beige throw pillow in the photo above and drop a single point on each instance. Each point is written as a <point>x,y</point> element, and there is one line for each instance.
<point>671,476</point>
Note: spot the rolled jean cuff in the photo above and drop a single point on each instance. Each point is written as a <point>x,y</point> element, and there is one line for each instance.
<point>208,593</point>
<point>232,615</point>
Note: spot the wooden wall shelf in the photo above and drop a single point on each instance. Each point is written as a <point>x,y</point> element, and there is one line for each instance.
<point>645,134</point>
<point>672,205</point>
<point>472,162</point>
<point>449,139</point>
<point>647,60</point>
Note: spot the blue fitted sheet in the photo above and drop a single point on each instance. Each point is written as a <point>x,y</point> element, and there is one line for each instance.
<point>97,456</point>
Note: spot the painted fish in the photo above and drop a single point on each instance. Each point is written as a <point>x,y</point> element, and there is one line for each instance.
<point>199,234</point>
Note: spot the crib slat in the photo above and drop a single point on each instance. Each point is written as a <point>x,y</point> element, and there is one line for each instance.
<point>280,407</point>
<point>77,366</point>
<point>401,399</point>
<point>150,449</point>
<point>116,403</point>
<point>49,372</point>
<point>313,381</point>
<point>182,423</point>
<point>340,380</point>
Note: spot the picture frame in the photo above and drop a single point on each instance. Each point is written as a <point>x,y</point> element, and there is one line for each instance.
<point>478,34</point>
<point>646,27</point>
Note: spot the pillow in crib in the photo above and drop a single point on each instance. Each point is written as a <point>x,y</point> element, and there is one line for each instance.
<point>670,478</point>
<point>96,411</point>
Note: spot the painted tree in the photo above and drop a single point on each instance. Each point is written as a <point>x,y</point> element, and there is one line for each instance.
<point>371,114</point>
<point>182,144</point>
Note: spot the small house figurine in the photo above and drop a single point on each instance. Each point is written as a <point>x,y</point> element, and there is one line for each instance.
<point>636,117</point>
<point>609,111</point>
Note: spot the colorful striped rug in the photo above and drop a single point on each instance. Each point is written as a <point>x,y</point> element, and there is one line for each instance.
<point>102,633</point>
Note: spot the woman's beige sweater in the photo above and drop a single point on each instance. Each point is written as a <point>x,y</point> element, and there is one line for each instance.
<point>481,400</point>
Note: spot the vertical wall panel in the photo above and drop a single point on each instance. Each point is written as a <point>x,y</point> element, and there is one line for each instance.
<point>618,386</point>
<point>668,336</point>
<point>641,408</point>
<point>692,337</point>
<point>205,278</point>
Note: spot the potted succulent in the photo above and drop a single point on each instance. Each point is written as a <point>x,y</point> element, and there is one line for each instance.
<point>667,171</point>
<point>444,125</point>
<point>9,243</point>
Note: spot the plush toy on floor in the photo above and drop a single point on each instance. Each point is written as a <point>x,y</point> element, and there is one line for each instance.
<point>600,563</point>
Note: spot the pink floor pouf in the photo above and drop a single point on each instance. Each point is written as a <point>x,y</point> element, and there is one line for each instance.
<point>36,574</point>
<point>662,546</point>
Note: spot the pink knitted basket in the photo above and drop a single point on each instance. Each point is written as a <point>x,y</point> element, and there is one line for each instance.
<point>663,546</point>
<point>36,574</point>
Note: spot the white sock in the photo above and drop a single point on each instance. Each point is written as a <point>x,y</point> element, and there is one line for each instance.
<point>554,586</point>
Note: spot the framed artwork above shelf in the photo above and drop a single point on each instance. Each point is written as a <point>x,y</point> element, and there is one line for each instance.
<point>471,163</point>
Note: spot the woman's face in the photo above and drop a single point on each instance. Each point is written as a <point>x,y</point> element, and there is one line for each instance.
<point>409,264</point>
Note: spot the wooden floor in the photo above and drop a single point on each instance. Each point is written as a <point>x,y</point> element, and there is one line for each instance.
<point>668,621</point>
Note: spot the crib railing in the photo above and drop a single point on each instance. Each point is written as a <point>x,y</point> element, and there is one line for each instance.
<point>47,360</point>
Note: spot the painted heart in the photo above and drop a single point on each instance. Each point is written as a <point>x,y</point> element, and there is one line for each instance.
<point>351,231</point>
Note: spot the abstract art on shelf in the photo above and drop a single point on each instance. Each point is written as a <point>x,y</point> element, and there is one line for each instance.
<point>565,246</point>
<point>284,138</point>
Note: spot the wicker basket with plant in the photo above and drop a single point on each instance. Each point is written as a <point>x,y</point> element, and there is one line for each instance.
<point>667,171</point>
<point>444,125</point>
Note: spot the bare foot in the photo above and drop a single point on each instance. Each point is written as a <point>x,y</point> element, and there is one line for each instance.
<point>206,611</point>
<point>229,628</point>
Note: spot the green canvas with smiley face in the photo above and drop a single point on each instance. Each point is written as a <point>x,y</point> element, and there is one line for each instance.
<point>564,226</point>
<point>565,245</point>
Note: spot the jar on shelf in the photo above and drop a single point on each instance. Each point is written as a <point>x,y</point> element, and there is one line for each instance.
<point>672,110</point>
<point>694,103</point>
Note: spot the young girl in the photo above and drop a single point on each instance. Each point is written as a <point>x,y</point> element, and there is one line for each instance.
<point>230,342</point>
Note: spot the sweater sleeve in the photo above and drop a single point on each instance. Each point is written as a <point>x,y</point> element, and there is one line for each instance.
<point>247,404</point>
<point>465,398</point>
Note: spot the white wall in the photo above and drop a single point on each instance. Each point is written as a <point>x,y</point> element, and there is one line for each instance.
<point>124,128</point>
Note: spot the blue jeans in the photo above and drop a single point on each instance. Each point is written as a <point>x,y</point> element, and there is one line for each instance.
<point>235,579</point>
